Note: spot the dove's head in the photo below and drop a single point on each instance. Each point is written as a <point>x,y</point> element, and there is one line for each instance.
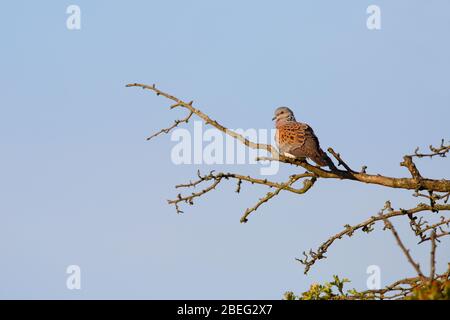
<point>283,114</point>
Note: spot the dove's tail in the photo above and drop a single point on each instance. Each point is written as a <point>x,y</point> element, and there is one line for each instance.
<point>322,159</point>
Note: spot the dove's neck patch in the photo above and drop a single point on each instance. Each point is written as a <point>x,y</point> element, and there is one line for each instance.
<point>282,121</point>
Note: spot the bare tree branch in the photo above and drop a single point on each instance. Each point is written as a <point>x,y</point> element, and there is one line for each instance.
<point>437,193</point>
<point>366,226</point>
<point>207,119</point>
<point>218,177</point>
<point>433,255</point>
<point>440,151</point>
<point>408,163</point>
<point>339,159</point>
<point>400,288</point>
<point>175,124</point>
<point>307,184</point>
<point>390,226</point>
<point>403,183</point>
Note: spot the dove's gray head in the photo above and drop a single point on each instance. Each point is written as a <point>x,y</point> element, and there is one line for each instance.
<point>283,114</point>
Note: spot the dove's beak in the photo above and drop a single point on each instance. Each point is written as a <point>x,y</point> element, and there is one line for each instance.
<point>274,118</point>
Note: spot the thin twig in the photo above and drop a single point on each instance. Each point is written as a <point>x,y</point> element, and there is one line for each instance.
<point>307,184</point>
<point>339,159</point>
<point>440,151</point>
<point>433,255</point>
<point>175,124</point>
<point>415,265</point>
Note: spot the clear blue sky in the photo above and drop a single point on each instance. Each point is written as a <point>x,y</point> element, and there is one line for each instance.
<point>80,185</point>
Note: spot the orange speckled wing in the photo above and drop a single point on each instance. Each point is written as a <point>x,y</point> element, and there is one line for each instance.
<point>292,135</point>
<point>297,140</point>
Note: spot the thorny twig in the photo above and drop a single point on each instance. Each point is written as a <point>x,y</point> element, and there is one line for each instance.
<point>366,226</point>
<point>218,177</point>
<point>390,226</point>
<point>440,151</point>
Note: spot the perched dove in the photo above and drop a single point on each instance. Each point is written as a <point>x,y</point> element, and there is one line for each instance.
<point>297,140</point>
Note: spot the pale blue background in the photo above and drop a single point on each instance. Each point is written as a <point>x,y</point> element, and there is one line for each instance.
<point>80,185</point>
